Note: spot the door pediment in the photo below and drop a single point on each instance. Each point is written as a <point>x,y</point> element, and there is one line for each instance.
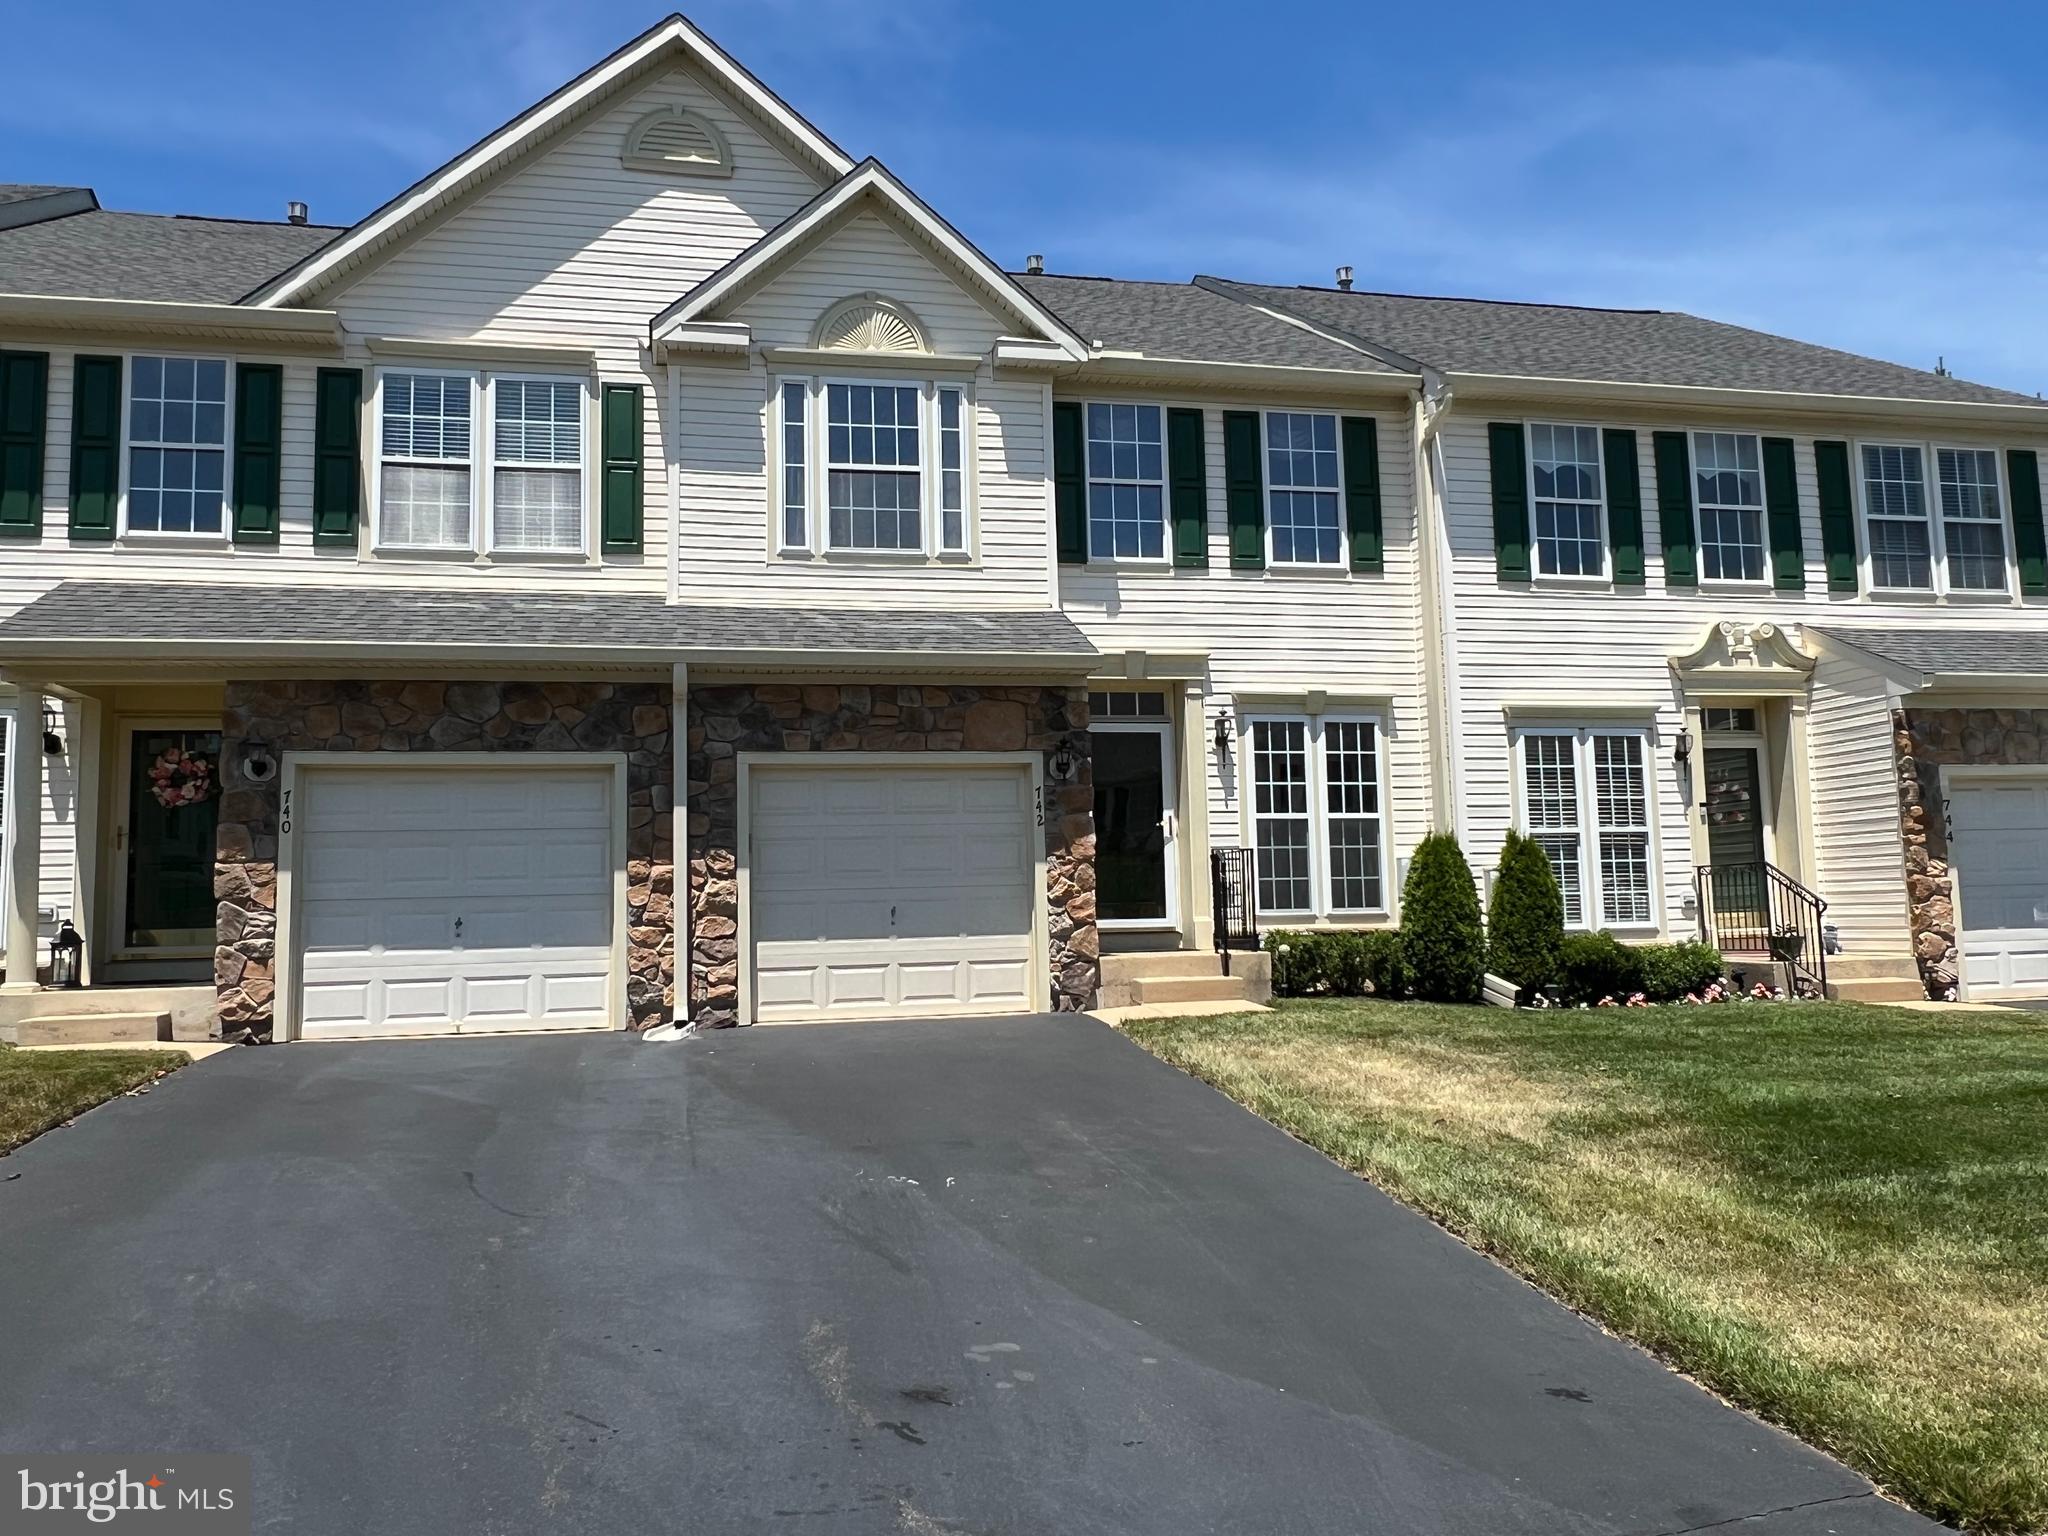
<point>1738,659</point>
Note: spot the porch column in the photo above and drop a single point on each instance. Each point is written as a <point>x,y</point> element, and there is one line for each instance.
<point>24,793</point>
<point>1199,931</point>
<point>679,840</point>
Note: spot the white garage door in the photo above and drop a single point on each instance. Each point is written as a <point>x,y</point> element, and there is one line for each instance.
<point>453,899</point>
<point>1998,842</point>
<point>889,892</point>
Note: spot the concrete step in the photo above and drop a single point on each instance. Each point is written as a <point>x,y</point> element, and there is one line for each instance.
<point>1872,968</point>
<point>1190,989</point>
<point>92,1028</point>
<point>1875,989</point>
<point>1130,965</point>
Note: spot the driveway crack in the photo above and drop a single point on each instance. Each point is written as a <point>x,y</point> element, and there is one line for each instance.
<point>1782,1509</point>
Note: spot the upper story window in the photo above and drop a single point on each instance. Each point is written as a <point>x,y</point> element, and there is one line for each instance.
<point>528,494</point>
<point>177,446</point>
<point>1586,800</point>
<point>1565,490</point>
<point>1728,490</point>
<point>1316,824</point>
<point>1126,482</point>
<point>1304,524</point>
<point>871,466</point>
<point>1906,555</point>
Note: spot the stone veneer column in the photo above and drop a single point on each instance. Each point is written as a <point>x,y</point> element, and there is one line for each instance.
<point>426,717</point>
<point>726,720</point>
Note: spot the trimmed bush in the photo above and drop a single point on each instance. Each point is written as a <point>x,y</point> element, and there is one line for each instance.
<point>1591,966</point>
<point>1671,971</point>
<point>1443,938</point>
<point>1525,924</point>
<point>1337,963</point>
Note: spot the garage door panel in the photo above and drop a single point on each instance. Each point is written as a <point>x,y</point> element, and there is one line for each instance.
<point>1998,836</point>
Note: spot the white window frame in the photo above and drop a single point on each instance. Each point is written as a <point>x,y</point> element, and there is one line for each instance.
<point>1322,908</point>
<point>1589,828</point>
<point>227,455</point>
<point>1940,587</point>
<point>1605,574</point>
<point>1757,583</point>
<point>1089,482</point>
<point>817,544</point>
<point>1267,486</point>
<point>483,465</point>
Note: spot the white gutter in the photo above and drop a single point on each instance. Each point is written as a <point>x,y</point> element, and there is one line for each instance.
<point>1499,386</point>
<point>1333,381</point>
<point>723,658</point>
<point>64,312</point>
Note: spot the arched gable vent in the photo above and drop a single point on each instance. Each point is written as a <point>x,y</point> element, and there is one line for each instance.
<point>871,323</point>
<point>679,142</point>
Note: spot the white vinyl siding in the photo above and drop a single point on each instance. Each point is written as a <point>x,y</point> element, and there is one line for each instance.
<point>1566,486</point>
<point>1315,793</point>
<point>1859,852</point>
<point>1586,802</point>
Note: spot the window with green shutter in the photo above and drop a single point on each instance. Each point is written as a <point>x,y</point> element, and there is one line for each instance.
<point>1187,472</point>
<point>95,447</point>
<point>1361,437</point>
<point>1070,482</point>
<point>1244,491</point>
<point>1781,507</point>
<point>624,473</point>
<point>1508,463</point>
<point>1837,514</point>
<point>2030,541</point>
<point>337,455</point>
<point>259,442</point>
<point>24,394</point>
<point>1674,509</point>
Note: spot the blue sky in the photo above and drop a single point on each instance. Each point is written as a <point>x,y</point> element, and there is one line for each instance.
<point>1844,173</point>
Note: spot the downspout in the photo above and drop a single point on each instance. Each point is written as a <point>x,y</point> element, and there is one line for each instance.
<point>1439,628</point>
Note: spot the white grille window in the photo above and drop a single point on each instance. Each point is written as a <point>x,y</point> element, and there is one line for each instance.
<point>425,490</point>
<point>1565,481</point>
<point>537,464</point>
<point>1317,827</point>
<point>1126,482</point>
<point>873,467</point>
<point>1586,802</point>
<point>796,457</point>
<point>1895,513</point>
<point>1972,519</point>
<point>952,468</point>
<point>177,445</point>
<point>1302,476</point>
<point>1728,480</point>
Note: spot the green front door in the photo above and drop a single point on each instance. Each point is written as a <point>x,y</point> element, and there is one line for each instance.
<point>173,807</point>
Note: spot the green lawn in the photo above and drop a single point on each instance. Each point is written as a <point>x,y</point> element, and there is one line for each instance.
<point>39,1089</point>
<point>1835,1214</point>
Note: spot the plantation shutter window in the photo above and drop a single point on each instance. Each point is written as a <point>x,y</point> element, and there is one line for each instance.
<point>1550,813</point>
<point>2029,537</point>
<point>1621,800</point>
<point>621,429</point>
<point>425,487</point>
<point>24,396</point>
<point>537,464</point>
<point>1586,803</point>
<point>1508,463</point>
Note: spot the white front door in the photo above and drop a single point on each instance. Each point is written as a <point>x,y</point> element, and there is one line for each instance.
<point>1998,849</point>
<point>449,899</point>
<point>890,891</point>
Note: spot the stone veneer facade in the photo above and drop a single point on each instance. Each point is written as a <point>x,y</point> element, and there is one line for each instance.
<point>1926,740</point>
<point>318,716</point>
<point>726,720</point>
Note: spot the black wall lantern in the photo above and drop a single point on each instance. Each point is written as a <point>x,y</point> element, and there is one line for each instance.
<point>1681,753</point>
<point>1226,732</point>
<point>53,743</point>
<point>67,957</point>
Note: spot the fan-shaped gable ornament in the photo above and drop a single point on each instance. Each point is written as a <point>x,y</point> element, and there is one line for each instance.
<point>871,323</point>
<point>679,142</point>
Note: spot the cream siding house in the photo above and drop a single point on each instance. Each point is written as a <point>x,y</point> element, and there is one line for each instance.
<point>656,571</point>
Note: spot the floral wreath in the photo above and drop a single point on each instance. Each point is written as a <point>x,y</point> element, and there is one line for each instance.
<point>179,777</point>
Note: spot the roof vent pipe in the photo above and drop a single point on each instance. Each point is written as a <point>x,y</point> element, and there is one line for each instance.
<point>1344,278</point>
<point>1035,264</point>
<point>296,213</point>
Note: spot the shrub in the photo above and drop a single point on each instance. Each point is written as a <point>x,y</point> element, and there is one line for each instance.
<point>1672,971</point>
<point>1525,924</point>
<point>1443,939</point>
<point>1591,966</point>
<point>1347,963</point>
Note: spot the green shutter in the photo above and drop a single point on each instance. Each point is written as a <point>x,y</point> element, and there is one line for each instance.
<point>624,467</point>
<point>1362,492</point>
<point>1187,474</point>
<point>259,444</point>
<point>95,447</point>
<point>1509,457</point>
<point>2029,541</point>
<point>1070,482</point>
<point>1244,491</point>
<point>24,390</point>
<point>1674,509</point>
<point>337,454</point>
<point>1624,505</point>
<point>1837,514</point>
<point>1781,507</point>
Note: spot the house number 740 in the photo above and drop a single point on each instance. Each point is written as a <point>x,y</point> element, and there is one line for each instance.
<point>284,823</point>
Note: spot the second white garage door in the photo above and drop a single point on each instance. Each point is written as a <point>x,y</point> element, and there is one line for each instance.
<point>1998,843</point>
<point>450,899</point>
<point>890,891</point>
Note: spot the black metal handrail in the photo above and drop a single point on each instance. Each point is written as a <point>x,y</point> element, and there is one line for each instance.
<point>1236,914</point>
<point>1758,909</point>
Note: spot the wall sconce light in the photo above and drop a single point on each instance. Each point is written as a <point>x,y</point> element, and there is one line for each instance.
<point>259,763</point>
<point>1226,732</point>
<point>1681,753</point>
<point>53,743</point>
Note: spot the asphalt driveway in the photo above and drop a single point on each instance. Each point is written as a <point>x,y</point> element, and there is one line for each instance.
<point>925,1278</point>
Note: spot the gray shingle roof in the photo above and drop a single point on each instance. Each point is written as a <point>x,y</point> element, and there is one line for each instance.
<point>21,191</point>
<point>337,618</point>
<point>1181,321</point>
<point>1634,346</point>
<point>1986,650</point>
<point>102,255</point>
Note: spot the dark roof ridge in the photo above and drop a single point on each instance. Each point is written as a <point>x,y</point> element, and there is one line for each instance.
<point>1461,298</point>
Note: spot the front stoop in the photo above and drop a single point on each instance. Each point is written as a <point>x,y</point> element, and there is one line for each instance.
<point>1184,976</point>
<point>1874,979</point>
<point>83,1029</point>
<point>98,1015</point>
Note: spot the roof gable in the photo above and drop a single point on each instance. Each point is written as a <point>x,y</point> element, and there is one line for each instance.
<point>672,40</point>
